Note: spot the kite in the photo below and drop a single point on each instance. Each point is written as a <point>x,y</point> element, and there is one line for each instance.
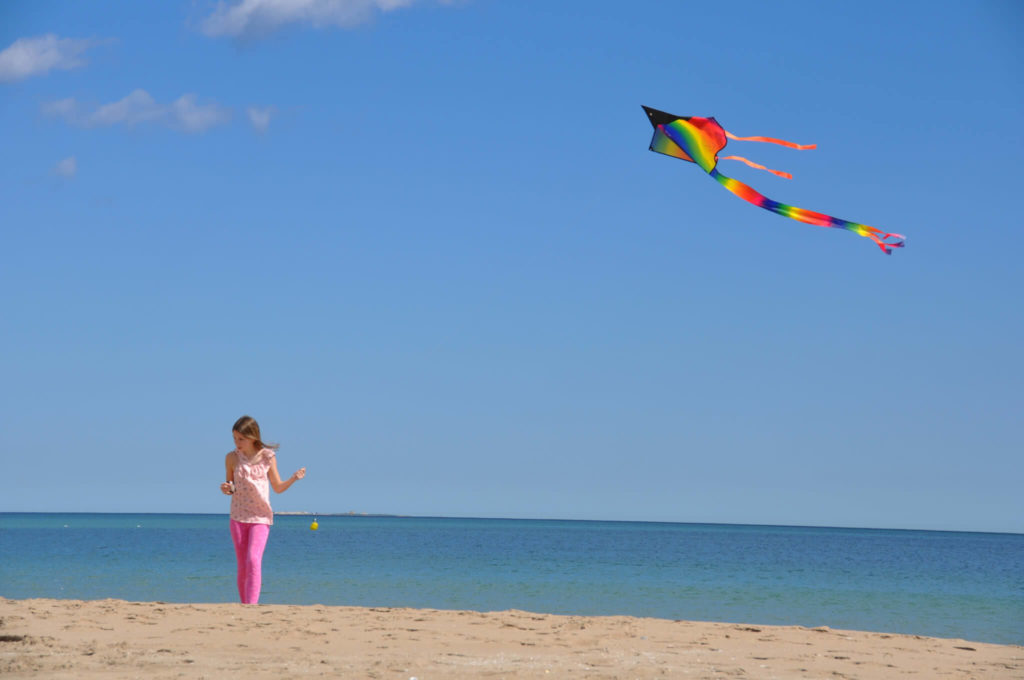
<point>698,140</point>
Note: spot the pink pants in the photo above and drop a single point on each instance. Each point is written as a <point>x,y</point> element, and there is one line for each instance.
<point>250,540</point>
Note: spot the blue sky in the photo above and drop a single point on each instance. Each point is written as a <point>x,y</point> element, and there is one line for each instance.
<point>425,245</point>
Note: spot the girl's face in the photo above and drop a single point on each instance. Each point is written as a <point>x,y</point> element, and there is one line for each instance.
<point>244,444</point>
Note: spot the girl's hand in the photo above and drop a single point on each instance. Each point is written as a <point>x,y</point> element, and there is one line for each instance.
<point>227,488</point>
<point>299,474</point>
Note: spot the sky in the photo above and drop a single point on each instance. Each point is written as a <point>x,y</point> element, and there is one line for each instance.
<point>426,246</point>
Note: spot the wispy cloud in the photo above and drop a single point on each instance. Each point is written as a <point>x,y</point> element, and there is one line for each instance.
<point>190,116</point>
<point>258,18</point>
<point>260,118</point>
<point>66,168</point>
<point>27,57</point>
<point>185,113</point>
<point>63,108</point>
<point>137,107</point>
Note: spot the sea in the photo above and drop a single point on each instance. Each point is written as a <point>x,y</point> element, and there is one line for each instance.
<point>934,583</point>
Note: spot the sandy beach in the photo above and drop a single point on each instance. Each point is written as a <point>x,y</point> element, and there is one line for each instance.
<point>118,639</point>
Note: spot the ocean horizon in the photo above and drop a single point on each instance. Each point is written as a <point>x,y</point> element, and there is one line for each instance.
<point>355,513</point>
<point>952,584</point>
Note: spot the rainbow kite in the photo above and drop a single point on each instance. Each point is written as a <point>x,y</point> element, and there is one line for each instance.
<point>699,140</point>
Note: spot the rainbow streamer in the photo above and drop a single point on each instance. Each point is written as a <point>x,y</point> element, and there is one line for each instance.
<point>698,140</point>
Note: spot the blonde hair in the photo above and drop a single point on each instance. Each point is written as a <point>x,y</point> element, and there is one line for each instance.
<point>250,429</point>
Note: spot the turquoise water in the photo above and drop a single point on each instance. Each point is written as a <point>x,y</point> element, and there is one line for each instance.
<point>945,584</point>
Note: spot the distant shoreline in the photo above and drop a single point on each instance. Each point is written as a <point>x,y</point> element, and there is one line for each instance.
<point>352,513</point>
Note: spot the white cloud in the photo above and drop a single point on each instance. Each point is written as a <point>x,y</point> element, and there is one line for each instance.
<point>183,114</point>
<point>260,118</point>
<point>137,107</point>
<point>64,108</point>
<point>189,116</point>
<point>27,57</point>
<point>66,168</point>
<point>257,18</point>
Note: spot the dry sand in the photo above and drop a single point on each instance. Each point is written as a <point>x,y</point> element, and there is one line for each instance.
<point>117,639</point>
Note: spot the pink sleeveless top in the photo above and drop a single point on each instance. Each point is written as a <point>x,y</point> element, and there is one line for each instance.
<point>251,501</point>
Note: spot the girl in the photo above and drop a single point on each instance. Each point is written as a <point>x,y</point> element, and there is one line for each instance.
<point>248,470</point>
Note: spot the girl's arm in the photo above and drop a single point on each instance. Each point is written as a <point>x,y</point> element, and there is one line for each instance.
<point>228,487</point>
<point>275,479</point>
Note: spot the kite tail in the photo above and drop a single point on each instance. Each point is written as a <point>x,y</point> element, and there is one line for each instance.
<point>884,240</point>
<point>752,164</point>
<point>770,140</point>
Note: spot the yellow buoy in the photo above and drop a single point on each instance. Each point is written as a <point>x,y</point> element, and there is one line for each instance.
<point>314,526</point>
